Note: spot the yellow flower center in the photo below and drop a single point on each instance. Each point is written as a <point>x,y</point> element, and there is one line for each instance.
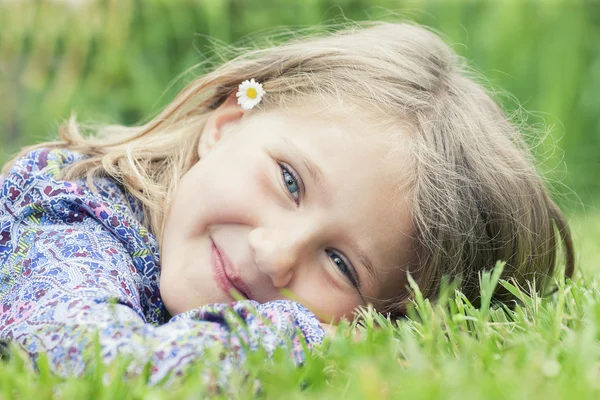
<point>251,93</point>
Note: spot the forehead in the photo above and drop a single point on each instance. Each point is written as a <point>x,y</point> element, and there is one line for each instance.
<point>350,129</point>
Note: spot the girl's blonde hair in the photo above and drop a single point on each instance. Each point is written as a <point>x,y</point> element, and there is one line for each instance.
<point>476,196</point>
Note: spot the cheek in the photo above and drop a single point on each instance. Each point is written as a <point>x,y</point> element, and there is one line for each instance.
<point>230,192</point>
<point>319,294</point>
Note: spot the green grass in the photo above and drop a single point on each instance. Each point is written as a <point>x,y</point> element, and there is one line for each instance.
<point>544,349</point>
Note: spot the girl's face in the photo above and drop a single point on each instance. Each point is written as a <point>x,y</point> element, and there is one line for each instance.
<point>306,203</point>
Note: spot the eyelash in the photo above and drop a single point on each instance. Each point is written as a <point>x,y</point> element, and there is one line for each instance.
<point>288,170</point>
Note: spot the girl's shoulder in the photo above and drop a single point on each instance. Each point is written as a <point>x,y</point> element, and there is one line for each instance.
<point>37,170</point>
<point>50,160</point>
<point>33,190</point>
<point>41,169</point>
<point>34,193</point>
<point>35,165</point>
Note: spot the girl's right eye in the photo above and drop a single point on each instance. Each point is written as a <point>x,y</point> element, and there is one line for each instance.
<point>292,182</point>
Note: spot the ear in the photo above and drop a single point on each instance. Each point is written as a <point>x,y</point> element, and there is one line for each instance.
<point>228,112</point>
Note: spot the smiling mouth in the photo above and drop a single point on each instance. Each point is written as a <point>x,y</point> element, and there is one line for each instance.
<point>227,279</point>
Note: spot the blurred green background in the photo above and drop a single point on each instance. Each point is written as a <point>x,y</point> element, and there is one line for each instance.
<point>117,60</point>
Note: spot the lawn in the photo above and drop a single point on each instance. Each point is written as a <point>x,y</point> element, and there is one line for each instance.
<point>543,349</point>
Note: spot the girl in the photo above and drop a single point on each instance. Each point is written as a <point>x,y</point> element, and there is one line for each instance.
<point>325,169</point>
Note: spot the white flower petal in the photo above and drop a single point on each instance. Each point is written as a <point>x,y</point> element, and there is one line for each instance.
<point>244,99</point>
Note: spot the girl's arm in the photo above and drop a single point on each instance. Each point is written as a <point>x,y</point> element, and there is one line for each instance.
<point>73,269</point>
<point>64,324</point>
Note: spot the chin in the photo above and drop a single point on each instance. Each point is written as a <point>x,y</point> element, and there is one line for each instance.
<point>172,306</point>
<point>172,297</point>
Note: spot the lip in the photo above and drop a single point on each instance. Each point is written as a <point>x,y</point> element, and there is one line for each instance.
<point>225,274</point>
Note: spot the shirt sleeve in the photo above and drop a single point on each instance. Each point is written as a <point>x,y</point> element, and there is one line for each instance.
<point>66,282</point>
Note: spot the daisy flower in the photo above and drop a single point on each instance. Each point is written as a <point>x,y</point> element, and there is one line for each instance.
<point>249,94</point>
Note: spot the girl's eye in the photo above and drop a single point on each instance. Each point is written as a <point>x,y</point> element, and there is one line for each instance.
<point>292,182</point>
<point>344,267</point>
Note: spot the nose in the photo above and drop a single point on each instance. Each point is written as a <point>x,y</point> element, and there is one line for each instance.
<point>276,253</point>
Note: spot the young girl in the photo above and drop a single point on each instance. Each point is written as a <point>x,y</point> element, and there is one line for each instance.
<point>331,167</point>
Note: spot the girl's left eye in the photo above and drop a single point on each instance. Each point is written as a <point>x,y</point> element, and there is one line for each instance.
<point>344,267</point>
<point>292,182</point>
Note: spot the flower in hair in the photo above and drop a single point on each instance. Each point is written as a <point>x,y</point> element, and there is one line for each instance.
<point>249,94</point>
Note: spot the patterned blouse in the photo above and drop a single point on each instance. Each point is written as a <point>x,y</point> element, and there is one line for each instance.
<point>77,264</point>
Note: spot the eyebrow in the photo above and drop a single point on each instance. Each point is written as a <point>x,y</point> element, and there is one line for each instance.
<point>363,259</point>
<point>318,178</point>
